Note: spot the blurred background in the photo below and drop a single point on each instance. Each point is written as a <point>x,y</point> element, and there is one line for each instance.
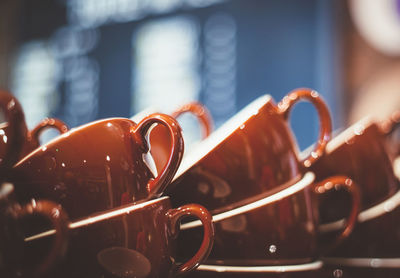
<point>81,60</point>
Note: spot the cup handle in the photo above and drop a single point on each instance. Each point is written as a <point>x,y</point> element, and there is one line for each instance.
<point>202,114</point>
<point>59,220</point>
<point>175,216</point>
<point>285,106</point>
<point>353,189</point>
<point>17,132</point>
<point>156,186</point>
<point>45,124</point>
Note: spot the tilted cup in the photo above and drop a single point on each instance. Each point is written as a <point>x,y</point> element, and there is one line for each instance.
<point>15,139</point>
<point>158,136</point>
<point>98,166</point>
<point>279,227</point>
<point>250,154</point>
<point>361,152</point>
<point>131,241</point>
<point>11,235</point>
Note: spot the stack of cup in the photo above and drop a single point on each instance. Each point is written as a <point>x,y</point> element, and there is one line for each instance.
<point>16,141</point>
<point>263,198</point>
<point>106,216</point>
<point>107,199</point>
<point>363,152</point>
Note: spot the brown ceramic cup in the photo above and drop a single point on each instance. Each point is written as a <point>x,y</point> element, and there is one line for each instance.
<point>376,234</point>
<point>32,137</point>
<point>250,154</point>
<point>130,241</point>
<point>12,133</point>
<point>362,153</point>
<point>275,228</point>
<point>15,139</point>
<point>11,235</point>
<point>158,137</point>
<point>97,166</point>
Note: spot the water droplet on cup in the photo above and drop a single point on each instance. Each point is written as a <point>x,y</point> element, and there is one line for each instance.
<point>337,273</point>
<point>272,249</point>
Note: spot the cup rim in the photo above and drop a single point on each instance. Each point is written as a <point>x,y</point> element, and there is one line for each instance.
<point>143,113</point>
<point>352,131</point>
<point>342,135</point>
<point>306,181</point>
<point>221,134</point>
<point>66,134</point>
<point>101,216</point>
<point>263,269</point>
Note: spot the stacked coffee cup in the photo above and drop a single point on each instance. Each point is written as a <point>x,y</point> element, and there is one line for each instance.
<point>107,218</point>
<point>107,199</point>
<point>263,198</point>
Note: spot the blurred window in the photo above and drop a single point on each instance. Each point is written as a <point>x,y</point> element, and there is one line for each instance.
<point>166,63</point>
<point>34,80</point>
<point>220,66</point>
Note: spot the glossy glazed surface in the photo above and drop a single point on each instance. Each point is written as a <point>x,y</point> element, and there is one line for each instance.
<point>158,137</point>
<point>278,231</point>
<point>131,241</point>
<point>33,136</point>
<point>13,133</point>
<point>252,153</point>
<point>97,166</point>
<point>12,215</point>
<point>276,228</point>
<point>361,153</point>
<point>16,141</point>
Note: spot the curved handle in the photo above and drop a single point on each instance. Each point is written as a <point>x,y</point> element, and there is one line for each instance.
<point>175,215</point>
<point>156,186</point>
<point>285,106</point>
<point>43,125</point>
<point>16,130</point>
<point>202,114</point>
<point>59,220</point>
<point>353,189</point>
